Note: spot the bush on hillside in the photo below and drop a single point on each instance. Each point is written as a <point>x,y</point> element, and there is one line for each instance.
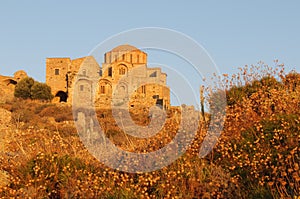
<point>259,144</point>
<point>23,88</point>
<point>28,88</point>
<point>236,93</point>
<point>41,91</point>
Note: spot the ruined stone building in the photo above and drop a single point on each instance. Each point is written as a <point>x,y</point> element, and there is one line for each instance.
<point>123,80</point>
<point>7,85</point>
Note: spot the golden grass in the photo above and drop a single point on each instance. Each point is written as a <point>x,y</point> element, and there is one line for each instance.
<point>257,155</point>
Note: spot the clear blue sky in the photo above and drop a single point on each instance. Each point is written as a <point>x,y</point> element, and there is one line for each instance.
<point>235,33</point>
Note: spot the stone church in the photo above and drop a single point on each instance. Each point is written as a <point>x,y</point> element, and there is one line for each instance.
<point>124,79</point>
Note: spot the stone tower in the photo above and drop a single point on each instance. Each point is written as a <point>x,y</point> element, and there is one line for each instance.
<point>60,74</point>
<point>56,71</point>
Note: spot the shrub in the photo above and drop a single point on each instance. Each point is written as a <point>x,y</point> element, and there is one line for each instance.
<point>28,88</point>
<point>236,93</point>
<point>41,91</point>
<point>52,173</point>
<point>292,80</point>
<point>259,145</point>
<point>264,157</point>
<point>23,88</point>
<point>59,113</point>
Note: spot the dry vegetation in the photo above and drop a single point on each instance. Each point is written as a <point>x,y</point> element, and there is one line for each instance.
<point>257,155</point>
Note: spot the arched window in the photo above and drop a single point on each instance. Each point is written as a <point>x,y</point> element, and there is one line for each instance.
<point>122,71</point>
<point>102,89</point>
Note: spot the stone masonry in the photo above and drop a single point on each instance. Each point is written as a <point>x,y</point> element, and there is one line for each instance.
<point>123,80</point>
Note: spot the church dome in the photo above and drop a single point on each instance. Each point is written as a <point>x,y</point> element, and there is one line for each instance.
<point>126,53</point>
<point>125,47</point>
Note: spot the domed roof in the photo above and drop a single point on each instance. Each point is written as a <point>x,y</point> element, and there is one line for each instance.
<point>124,47</point>
<point>20,74</point>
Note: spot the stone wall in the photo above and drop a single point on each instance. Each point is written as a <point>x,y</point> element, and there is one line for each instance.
<point>7,85</point>
<point>56,71</point>
<point>124,78</point>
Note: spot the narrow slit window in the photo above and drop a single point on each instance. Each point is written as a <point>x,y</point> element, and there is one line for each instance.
<point>144,89</point>
<point>110,71</point>
<point>81,87</point>
<point>102,89</point>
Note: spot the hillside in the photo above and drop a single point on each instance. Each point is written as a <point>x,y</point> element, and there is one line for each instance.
<point>256,156</point>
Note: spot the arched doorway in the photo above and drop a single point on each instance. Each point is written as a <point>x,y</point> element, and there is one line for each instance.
<point>63,96</point>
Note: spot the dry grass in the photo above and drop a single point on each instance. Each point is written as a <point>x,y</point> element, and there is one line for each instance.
<point>257,155</point>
